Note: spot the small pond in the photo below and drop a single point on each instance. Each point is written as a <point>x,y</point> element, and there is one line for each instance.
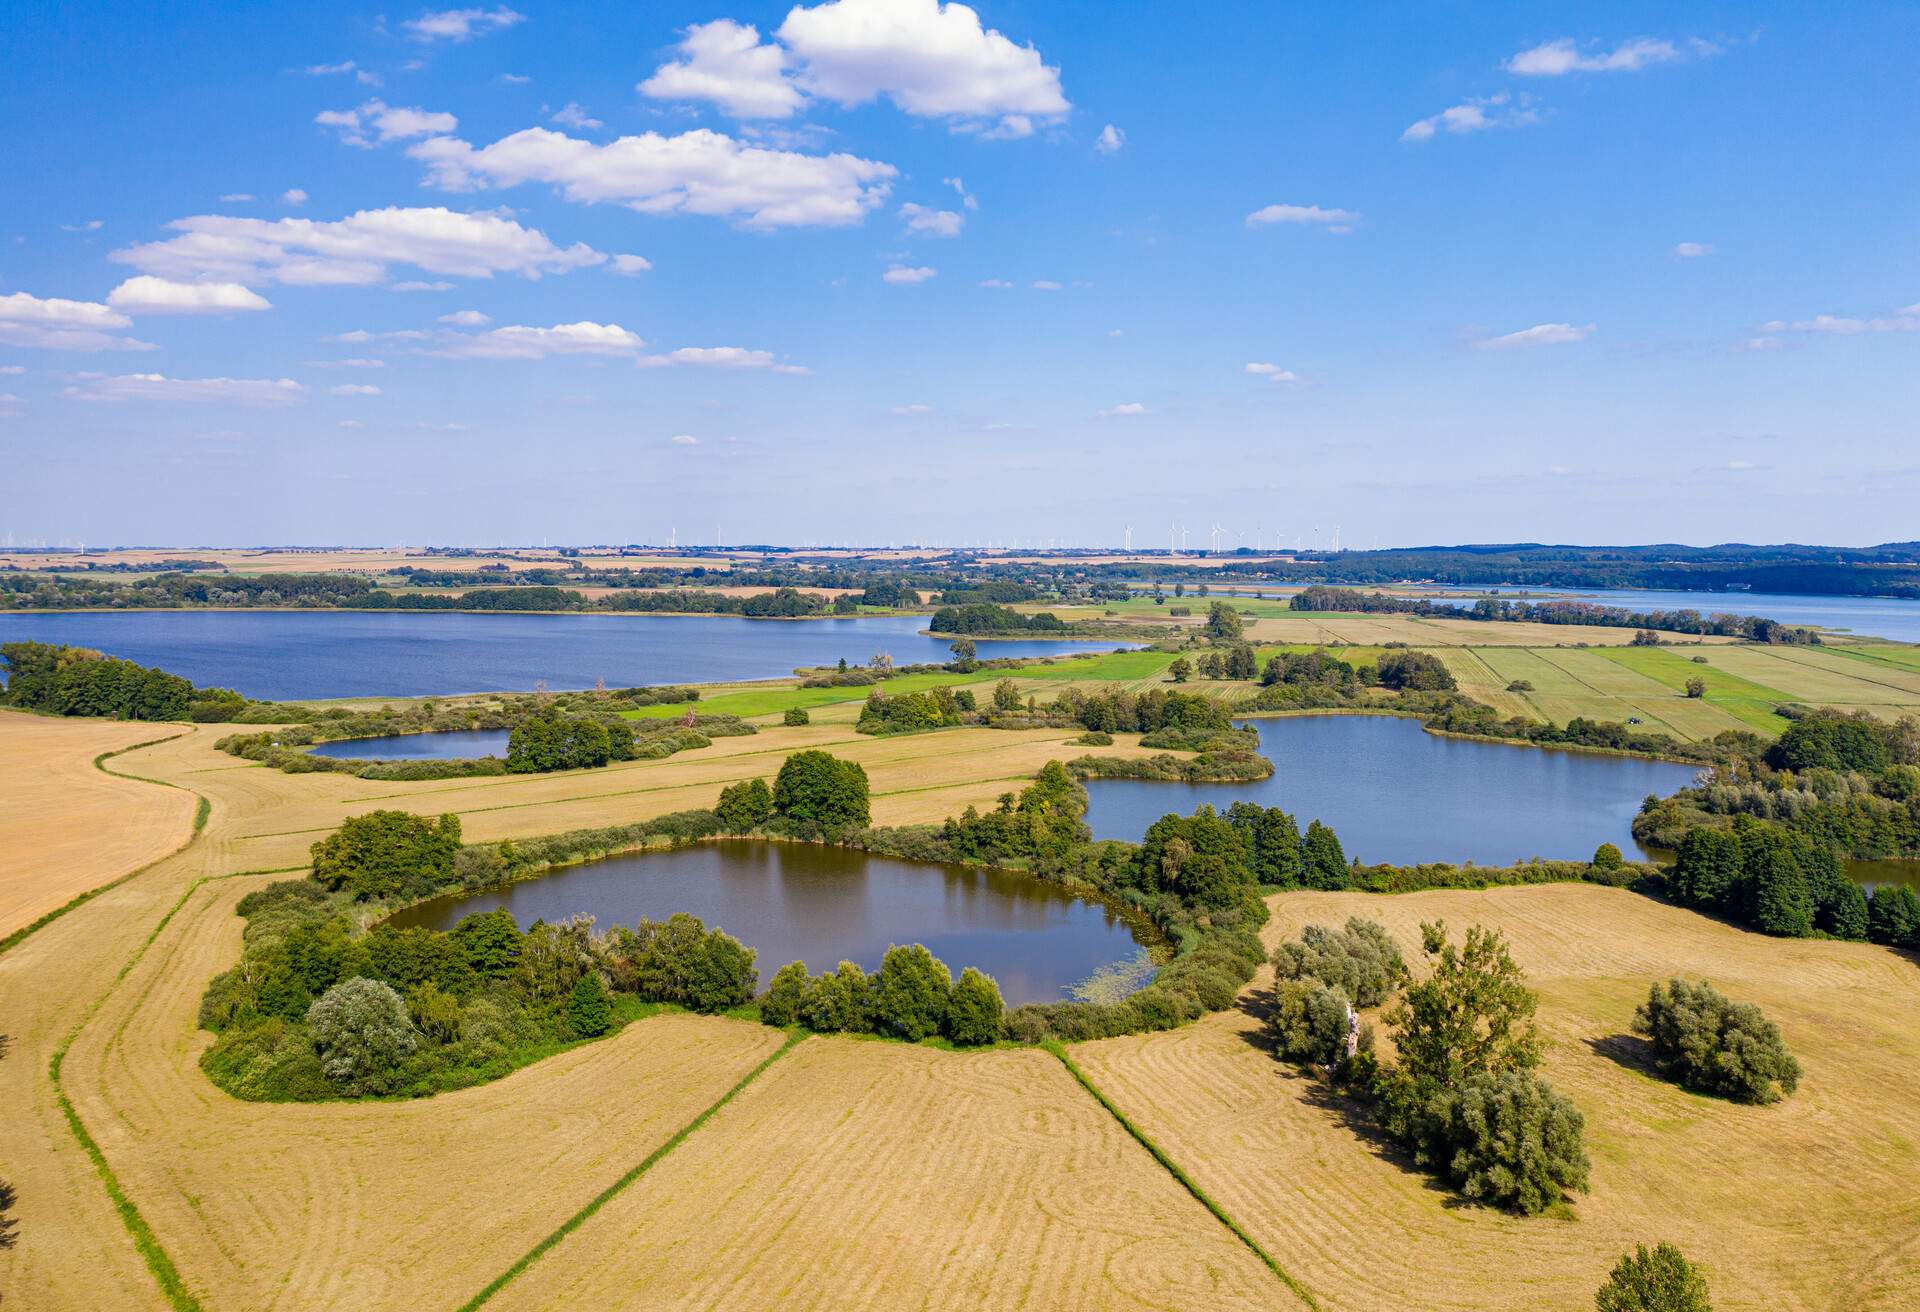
<point>820,905</point>
<point>1396,793</point>
<point>459,745</point>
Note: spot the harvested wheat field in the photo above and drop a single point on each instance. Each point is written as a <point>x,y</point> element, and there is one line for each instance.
<point>1813,1203</point>
<point>68,826</point>
<point>857,1175</point>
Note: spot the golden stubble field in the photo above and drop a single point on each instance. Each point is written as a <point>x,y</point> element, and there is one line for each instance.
<point>70,827</point>
<point>865,1175</point>
<point>1810,1204</point>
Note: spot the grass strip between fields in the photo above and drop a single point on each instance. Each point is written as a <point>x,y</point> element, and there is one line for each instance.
<point>607,1195</point>
<point>1186,1181</point>
<point>165,1273</point>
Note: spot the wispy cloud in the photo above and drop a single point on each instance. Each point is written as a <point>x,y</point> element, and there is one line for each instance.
<point>1496,111</point>
<point>1563,56</point>
<point>462,24</point>
<point>1333,220</point>
<point>1541,334</point>
<point>1124,410</point>
<point>902,275</point>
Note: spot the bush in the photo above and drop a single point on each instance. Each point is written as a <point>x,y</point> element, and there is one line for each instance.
<point>840,1002</point>
<point>1607,857</point>
<point>1711,1043</point>
<point>912,993</point>
<point>1653,1280</point>
<point>1415,671</point>
<point>1309,1022</point>
<point>363,1033</point>
<point>786,996</point>
<point>818,788</point>
<point>590,1011</point>
<point>795,716</point>
<point>1360,960</point>
<point>388,854</point>
<point>744,806</point>
<point>1092,738</point>
<point>679,960</point>
<point>1514,1142</point>
<point>975,1014</point>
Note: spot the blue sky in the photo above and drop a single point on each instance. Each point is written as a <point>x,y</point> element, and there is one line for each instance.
<point>888,271</point>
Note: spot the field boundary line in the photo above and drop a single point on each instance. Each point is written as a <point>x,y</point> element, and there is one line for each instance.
<point>202,809</point>
<point>1186,1181</point>
<point>607,1195</point>
<point>165,1273</point>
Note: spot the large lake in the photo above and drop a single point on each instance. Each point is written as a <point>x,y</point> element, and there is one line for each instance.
<point>282,655</point>
<point>822,905</point>
<point>1396,793</point>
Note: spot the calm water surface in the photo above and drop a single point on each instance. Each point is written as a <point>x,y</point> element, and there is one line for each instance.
<point>281,655</point>
<point>1398,794</point>
<point>822,905</point>
<point>458,745</point>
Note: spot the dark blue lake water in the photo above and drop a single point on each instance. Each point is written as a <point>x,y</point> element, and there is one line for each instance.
<point>1396,793</point>
<point>822,905</point>
<point>282,655</point>
<point>459,745</point>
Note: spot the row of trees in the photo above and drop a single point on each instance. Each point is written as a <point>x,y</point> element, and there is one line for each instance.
<point>1786,882</point>
<point>913,996</point>
<point>61,680</point>
<point>990,618</point>
<point>1754,628</point>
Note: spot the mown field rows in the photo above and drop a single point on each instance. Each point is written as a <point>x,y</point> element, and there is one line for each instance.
<point>1810,1204</point>
<point>72,827</point>
<point>863,1175</point>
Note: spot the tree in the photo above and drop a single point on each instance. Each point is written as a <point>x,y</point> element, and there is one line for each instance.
<point>1696,687</point>
<point>1006,696</point>
<point>965,656</point>
<point>795,716</point>
<point>786,996</point>
<point>1831,742</point>
<point>490,942</point>
<point>1223,622</point>
<point>1323,864</point>
<point>552,740</point>
<point>1360,960</point>
<point>1607,857</point>
<point>818,788</point>
<point>975,1013</point>
<point>1472,1015</point>
<point>363,1033</point>
<point>1653,1280</point>
<point>1309,1022</point>
<point>1515,1142</point>
<point>388,853</point>
<point>1181,669</point>
<point>1893,916</point>
<point>1415,671</point>
<point>840,1001</point>
<point>745,805</point>
<point>911,993</point>
<point>589,1011</point>
<point>1706,868</point>
<point>1782,902</point>
<point>1708,1042</point>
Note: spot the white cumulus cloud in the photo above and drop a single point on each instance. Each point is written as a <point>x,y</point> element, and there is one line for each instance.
<point>376,123</point>
<point>917,408</point>
<point>1557,58</point>
<point>1123,410</point>
<point>519,342</point>
<point>467,319</point>
<point>1261,369</point>
<point>684,439</point>
<point>354,389</point>
<point>697,172</point>
<point>725,63</point>
<point>1495,111</point>
<point>146,294</point>
<point>462,24</point>
<point>1110,140</point>
<point>928,222</point>
<point>902,275</point>
<point>159,387</point>
<point>1905,320</point>
<point>293,196</point>
<point>930,59</point>
<point>1541,334</point>
<point>1334,220</point>
<point>574,115</point>
<point>720,357</point>
<point>356,250</point>
<point>629,265</point>
<point>1692,250</point>
<point>55,324</point>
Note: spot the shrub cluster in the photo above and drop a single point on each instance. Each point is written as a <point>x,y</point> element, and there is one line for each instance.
<point>913,996</point>
<point>1318,981</point>
<point>552,740</point>
<point>1708,1042</point>
<point>315,1010</point>
<point>936,708</point>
